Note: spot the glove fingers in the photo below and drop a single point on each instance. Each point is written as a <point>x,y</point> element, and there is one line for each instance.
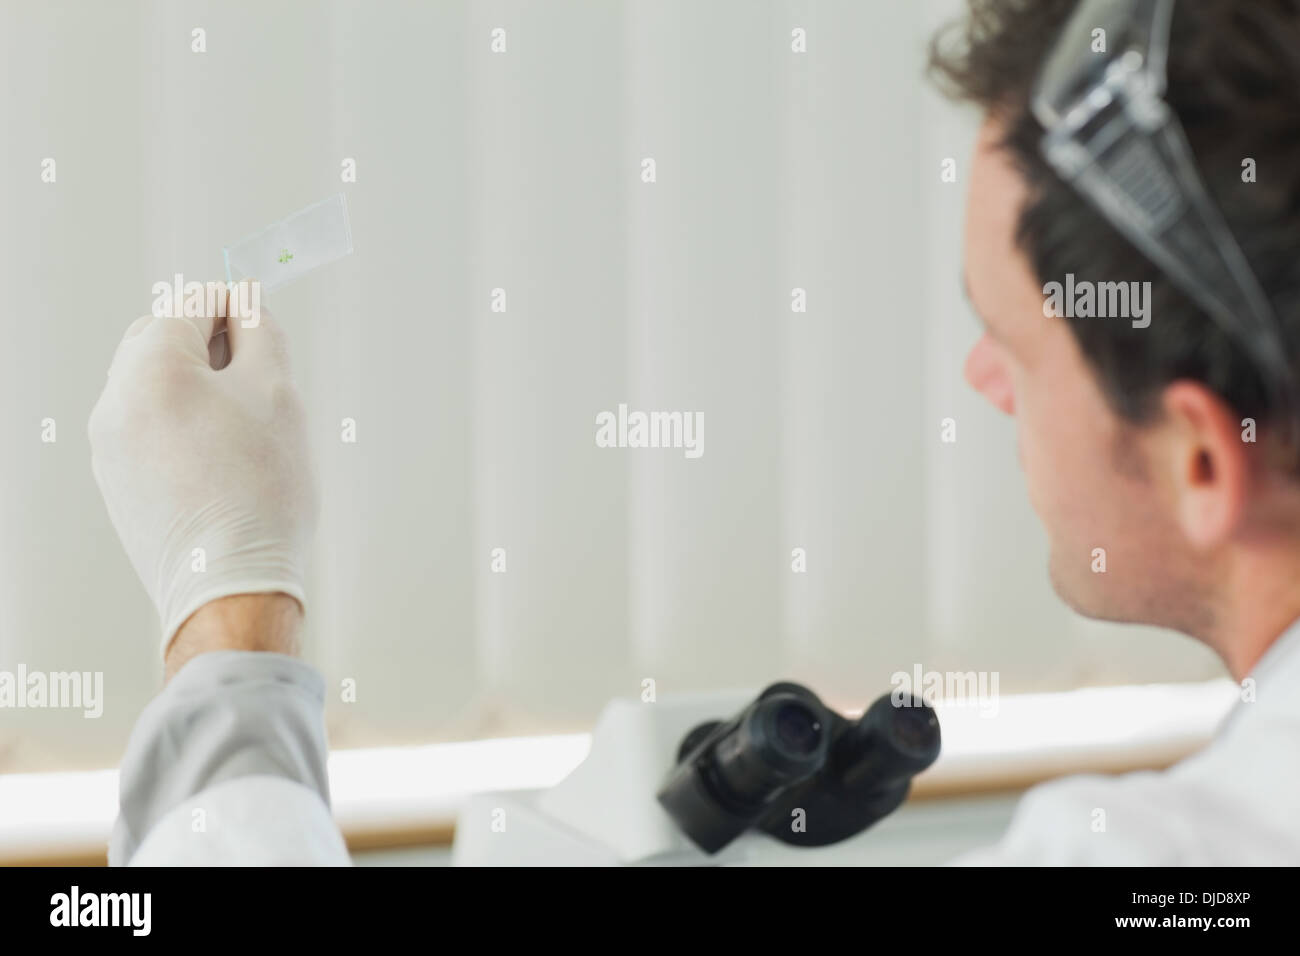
<point>133,330</point>
<point>256,339</point>
<point>189,336</point>
<point>138,326</point>
<point>213,312</point>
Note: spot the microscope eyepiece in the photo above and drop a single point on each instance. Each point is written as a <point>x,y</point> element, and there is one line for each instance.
<point>729,772</point>
<point>779,740</point>
<point>786,755</point>
<point>889,744</point>
<point>797,729</point>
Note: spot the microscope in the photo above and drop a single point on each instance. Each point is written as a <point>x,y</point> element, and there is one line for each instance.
<point>672,783</point>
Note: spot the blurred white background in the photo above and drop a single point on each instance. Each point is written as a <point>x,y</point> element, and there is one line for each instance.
<point>476,429</point>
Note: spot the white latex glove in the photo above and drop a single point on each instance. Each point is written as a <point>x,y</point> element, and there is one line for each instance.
<point>188,456</point>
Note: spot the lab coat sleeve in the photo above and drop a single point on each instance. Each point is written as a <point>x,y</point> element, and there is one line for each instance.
<point>227,766</point>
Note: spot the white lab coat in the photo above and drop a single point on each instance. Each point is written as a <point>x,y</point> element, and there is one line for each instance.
<point>227,766</point>
<point>248,821</point>
<point>1235,802</point>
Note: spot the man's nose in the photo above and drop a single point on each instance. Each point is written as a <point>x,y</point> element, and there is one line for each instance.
<point>987,374</point>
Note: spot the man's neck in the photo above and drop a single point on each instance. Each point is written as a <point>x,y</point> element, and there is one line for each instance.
<point>1262,600</point>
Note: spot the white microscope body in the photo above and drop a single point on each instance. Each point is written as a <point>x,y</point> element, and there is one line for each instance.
<point>605,812</point>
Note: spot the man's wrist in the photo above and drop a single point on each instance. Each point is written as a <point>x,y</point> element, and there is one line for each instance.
<point>240,622</point>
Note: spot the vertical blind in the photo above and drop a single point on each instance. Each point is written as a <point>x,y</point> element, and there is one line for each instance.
<point>519,177</point>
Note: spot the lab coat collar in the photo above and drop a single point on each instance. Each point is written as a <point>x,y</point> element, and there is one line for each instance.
<point>1267,676</point>
<point>1285,648</point>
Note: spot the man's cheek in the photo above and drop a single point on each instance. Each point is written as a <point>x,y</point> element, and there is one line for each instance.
<point>1039,460</point>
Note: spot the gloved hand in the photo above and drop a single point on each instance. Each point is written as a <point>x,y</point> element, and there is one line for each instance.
<point>206,472</point>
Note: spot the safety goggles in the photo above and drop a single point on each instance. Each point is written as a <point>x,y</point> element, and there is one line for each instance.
<point>1111,135</point>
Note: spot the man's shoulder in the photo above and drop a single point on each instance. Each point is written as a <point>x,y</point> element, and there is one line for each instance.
<point>1208,810</point>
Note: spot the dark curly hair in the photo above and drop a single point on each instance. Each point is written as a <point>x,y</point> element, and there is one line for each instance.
<point>1234,81</point>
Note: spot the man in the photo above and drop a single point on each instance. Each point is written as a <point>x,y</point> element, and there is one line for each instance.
<point>1160,442</point>
<point>1131,436</point>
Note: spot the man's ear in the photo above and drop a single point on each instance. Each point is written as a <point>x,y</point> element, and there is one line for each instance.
<point>1205,462</point>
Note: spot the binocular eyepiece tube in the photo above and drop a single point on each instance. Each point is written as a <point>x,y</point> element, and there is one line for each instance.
<point>789,766</point>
